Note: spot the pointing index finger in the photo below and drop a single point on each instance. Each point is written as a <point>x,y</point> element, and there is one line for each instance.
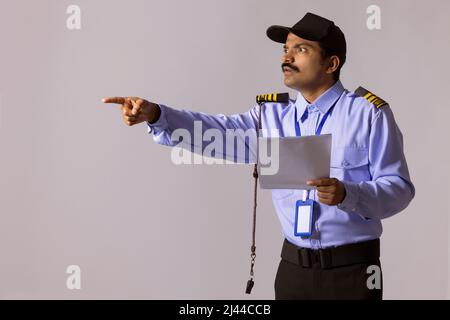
<point>118,100</point>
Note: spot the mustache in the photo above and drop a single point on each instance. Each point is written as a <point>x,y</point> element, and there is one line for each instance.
<point>289,66</point>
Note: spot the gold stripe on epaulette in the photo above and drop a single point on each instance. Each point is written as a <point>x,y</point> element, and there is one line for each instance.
<point>369,96</point>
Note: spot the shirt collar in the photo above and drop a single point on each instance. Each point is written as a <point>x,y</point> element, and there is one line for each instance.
<point>323,103</point>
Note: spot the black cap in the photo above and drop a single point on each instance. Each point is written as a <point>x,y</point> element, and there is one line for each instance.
<point>315,28</point>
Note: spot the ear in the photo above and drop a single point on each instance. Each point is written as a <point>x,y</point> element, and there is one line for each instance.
<point>333,64</point>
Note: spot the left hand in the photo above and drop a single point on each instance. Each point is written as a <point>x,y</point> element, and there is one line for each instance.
<point>330,191</point>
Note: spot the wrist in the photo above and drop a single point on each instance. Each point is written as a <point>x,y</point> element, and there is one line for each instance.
<point>154,114</point>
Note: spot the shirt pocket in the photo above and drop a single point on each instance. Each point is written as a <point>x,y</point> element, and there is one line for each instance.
<point>350,164</point>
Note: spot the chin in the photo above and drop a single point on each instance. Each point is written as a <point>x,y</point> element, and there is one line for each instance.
<point>287,82</point>
<point>291,85</point>
<point>288,85</point>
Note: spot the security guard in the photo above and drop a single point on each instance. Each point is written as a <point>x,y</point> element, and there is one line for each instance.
<point>369,174</point>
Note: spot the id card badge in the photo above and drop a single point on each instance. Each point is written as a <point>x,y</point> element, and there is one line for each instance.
<point>303,217</point>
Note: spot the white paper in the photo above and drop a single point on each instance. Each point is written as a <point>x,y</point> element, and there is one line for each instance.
<point>297,159</point>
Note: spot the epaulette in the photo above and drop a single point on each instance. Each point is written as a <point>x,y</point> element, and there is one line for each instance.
<point>273,97</point>
<point>369,96</point>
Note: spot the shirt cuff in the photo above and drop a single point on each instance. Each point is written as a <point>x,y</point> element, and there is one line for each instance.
<point>161,123</point>
<point>351,197</point>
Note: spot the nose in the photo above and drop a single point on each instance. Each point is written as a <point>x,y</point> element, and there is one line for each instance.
<point>287,57</point>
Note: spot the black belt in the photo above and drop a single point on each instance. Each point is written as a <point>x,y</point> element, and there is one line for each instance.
<point>354,253</point>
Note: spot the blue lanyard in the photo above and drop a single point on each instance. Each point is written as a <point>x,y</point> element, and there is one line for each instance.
<point>319,128</point>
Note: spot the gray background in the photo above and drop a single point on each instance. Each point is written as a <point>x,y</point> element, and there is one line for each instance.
<point>80,187</point>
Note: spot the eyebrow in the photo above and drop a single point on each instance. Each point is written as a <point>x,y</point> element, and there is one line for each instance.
<point>300,44</point>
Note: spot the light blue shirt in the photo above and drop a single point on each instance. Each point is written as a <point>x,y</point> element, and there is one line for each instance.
<point>367,156</point>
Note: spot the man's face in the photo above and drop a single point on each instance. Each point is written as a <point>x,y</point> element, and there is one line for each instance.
<point>302,63</point>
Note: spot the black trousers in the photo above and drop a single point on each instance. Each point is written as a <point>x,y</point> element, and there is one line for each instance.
<point>294,282</point>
